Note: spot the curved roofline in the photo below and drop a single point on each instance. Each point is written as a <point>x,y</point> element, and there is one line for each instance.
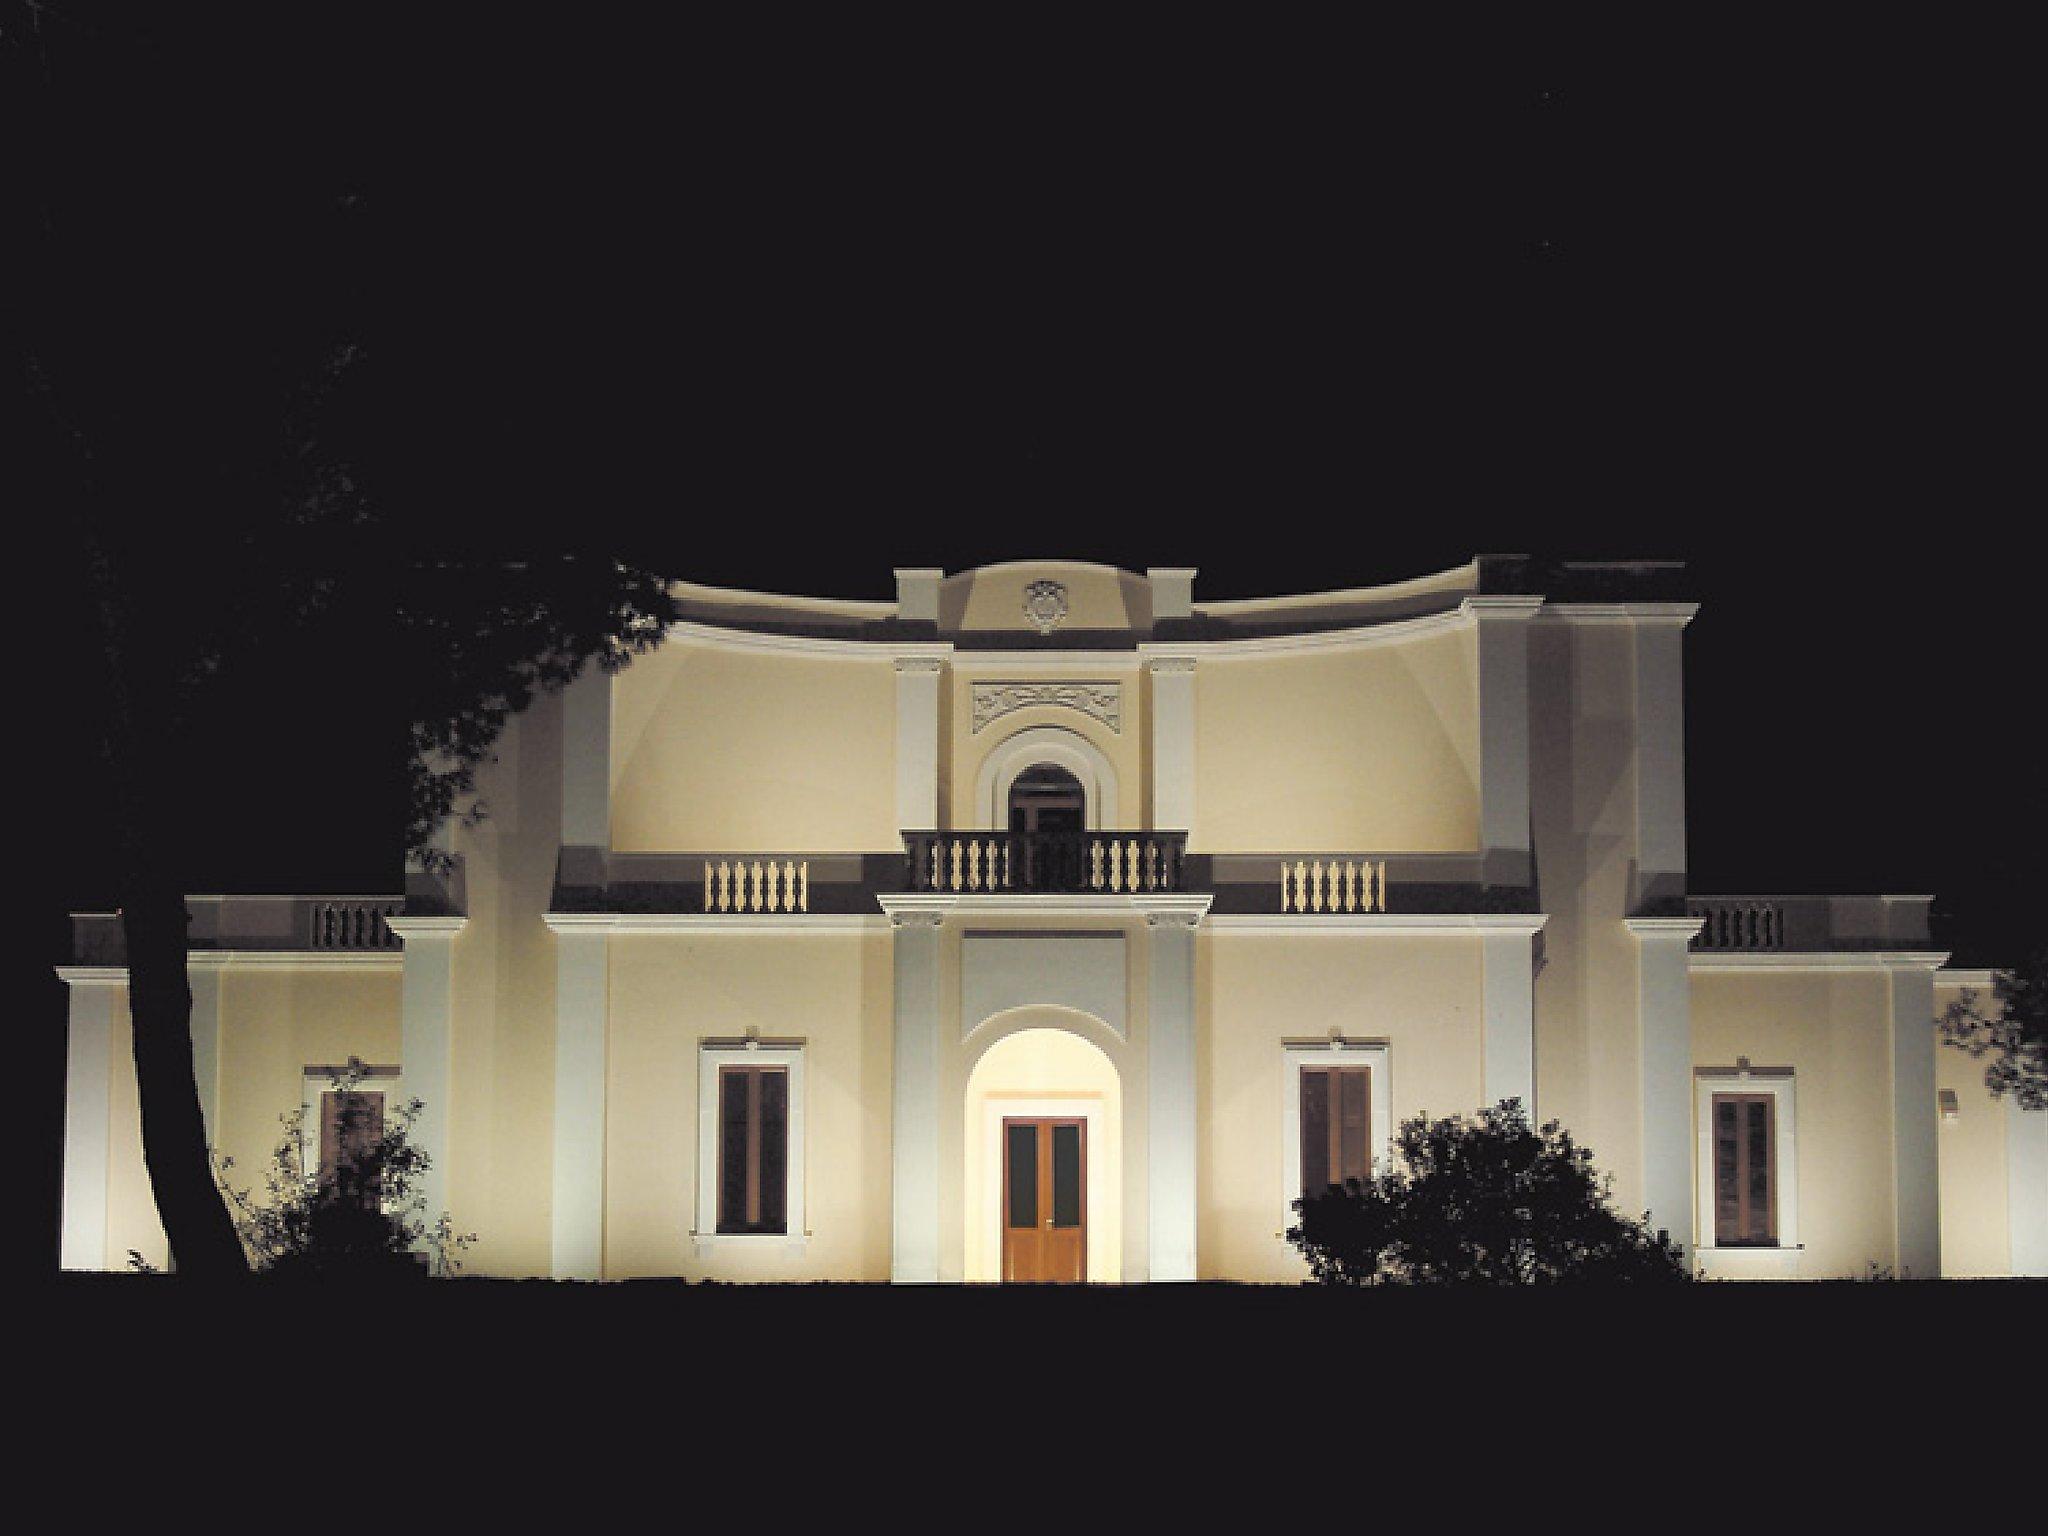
<point>1458,580</point>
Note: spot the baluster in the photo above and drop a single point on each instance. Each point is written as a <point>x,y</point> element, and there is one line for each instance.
<point>774,886</point>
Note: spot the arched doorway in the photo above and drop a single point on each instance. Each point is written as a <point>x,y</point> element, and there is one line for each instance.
<point>1044,1157</point>
<point>1047,798</point>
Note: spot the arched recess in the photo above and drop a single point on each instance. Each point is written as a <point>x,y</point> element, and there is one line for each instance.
<point>1052,1063</point>
<point>1045,744</point>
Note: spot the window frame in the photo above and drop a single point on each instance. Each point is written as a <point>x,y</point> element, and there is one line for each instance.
<point>317,1081</point>
<point>1335,1052</point>
<point>1776,1084</point>
<point>712,1055</point>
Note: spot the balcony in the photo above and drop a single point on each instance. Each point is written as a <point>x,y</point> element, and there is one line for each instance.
<point>1046,863</point>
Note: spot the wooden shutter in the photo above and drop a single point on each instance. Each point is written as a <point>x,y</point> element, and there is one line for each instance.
<point>1745,1170</point>
<point>753,1149</point>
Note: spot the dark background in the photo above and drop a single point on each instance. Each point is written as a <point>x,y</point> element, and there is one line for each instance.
<point>789,312</point>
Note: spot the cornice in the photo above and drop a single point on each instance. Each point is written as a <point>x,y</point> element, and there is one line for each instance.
<point>1816,960</point>
<point>1482,605</point>
<point>249,959</point>
<point>1645,927</point>
<point>1349,638</point>
<point>729,923</point>
<point>406,927</point>
<point>1391,925</point>
<point>1619,613</point>
<point>808,645</point>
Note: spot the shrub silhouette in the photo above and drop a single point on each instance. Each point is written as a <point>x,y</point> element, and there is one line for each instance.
<point>364,1221</point>
<point>1481,1201</point>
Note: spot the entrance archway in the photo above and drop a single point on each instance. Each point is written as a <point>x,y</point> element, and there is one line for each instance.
<point>1044,1074</point>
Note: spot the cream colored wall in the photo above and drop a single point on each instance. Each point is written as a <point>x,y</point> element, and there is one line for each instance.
<point>1422,996</point>
<point>1974,1227</point>
<point>1582,807</point>
<point>275,1021</point>
<point>731,750</point>
<point>670,993</point>
<point>1832,1028</point>
<point>1366,749</point>
<point>963,751</point>
<point>502,1021</point>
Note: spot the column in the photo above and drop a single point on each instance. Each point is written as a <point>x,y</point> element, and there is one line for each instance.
<point>1170,1058</point>
<point>88,1082</point>
<point>582,1006</point>
<point>914,1100</point>
<point>1664,1023</point>
<point>1173,743</point>
<point>1916,1120</point>
<point>1502,644</point>
<point>917,742</point>
<point>1660,758</point>
<point>2026,1189</point>
<point>1509,988</point>
<point>426,1003</point>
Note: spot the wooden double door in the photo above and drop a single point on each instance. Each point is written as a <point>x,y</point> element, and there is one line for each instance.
<point>1045,1200</point>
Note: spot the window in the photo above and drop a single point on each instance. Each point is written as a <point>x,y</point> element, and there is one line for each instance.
<point>1745,1195</point>
<point>1748,1189</point>
<point>1336,1124</point>
<point>1336,1111</point>
<point>750,1143</point>
<point>753,1149</point>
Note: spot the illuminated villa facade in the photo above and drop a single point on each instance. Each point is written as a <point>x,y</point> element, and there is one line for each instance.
<point>1051,923</point>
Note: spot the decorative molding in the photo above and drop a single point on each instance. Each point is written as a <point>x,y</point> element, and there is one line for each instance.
<point>921,663</point>
<point>1184,910</point>
<point>1645,927</point>
<point>1045,605</point>
<point>1169,664</point>
<point>1101,701</point>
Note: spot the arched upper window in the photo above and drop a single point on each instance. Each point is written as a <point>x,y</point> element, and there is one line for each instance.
<point>1047,798</point>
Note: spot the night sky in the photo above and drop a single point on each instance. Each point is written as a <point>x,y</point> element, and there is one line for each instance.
<point>767,319</point>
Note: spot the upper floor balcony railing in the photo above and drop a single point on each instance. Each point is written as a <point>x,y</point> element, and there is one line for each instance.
<point>1101,863</point>
<point>1810,924</point>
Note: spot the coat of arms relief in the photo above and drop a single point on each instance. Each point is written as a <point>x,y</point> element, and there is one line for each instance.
<point>1045,605</point>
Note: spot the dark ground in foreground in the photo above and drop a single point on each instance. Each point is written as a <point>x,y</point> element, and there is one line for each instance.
<point>1255,1407</point>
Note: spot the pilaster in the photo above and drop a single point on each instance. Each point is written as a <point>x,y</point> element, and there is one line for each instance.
<point>88,1114</point>
<point>426,1039</point>
<point>1664,1036</point>
<point>1916,1119</point>
<point>917,742</point>
<point>1503,666</point>
<point>914,1100</point>
<point>1173,742</point>
<point>582,1010</point>
<point>1170,1056</point>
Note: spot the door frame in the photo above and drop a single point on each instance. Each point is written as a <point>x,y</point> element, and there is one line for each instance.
<point>1041,1122</point>
<point>1097,1248</point>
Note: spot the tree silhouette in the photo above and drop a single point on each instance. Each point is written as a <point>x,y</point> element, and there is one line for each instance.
<point>1480,1201</point>
<point>2011,1028</point>
<point>196,351</point>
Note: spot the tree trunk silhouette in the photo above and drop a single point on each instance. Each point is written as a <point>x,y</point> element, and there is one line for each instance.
<point>203,1240</point>
<point>154,921</point>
